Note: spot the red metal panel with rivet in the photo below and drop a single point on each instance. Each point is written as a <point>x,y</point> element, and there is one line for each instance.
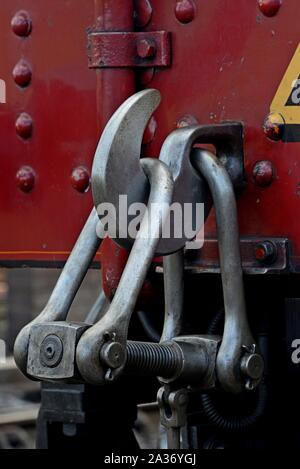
<point>228,59</point>
<point>48,127</point>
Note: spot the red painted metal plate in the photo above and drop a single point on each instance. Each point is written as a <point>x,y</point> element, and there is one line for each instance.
<point>43,224</point>
<point>228,59</point>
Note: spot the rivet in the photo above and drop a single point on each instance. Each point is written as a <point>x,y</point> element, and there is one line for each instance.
<point>150,131</point>
<point>21,24</point>
<point>143,13</point>
<point>265,252</point>
<point>263,173</point>
<point>80,179</point>
<point>186,121</point>
<point>22,73</point>
<point>146,48</point>
<point>24,125</point>
<point>274,126</point>
<point>25,179</point>
<point>185,11</point>
<point>269,7</point>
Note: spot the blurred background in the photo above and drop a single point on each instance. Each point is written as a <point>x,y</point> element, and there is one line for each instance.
<point>23,295</point>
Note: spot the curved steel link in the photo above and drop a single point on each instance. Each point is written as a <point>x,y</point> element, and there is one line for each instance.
<point>237,333</point>
<point>66,287</point>
<point>113,327</point>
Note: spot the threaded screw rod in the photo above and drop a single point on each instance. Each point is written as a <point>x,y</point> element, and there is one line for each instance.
<point>150,359</point>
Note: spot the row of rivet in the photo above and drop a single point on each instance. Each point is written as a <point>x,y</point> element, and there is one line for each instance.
<point>185,10</point>
<point>21,25</point>
<point>26,179</point>
<point>22,74</point>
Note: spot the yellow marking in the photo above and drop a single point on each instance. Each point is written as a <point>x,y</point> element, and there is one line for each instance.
<point>291,114</point>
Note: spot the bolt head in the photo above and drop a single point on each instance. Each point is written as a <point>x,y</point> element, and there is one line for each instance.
<point>266,252</point>
<point>51,351</point>
<point>146,48</point>
<point>269,7</point>
<point>274,126</point>
<point>25,179</point>
<point>185,11</point>
<point>263,173</point>
<point>21,24</point>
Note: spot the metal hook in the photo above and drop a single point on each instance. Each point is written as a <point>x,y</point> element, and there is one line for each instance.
<point>237,334</point>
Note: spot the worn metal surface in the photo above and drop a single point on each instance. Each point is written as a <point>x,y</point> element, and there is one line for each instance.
<point>129,49</point>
